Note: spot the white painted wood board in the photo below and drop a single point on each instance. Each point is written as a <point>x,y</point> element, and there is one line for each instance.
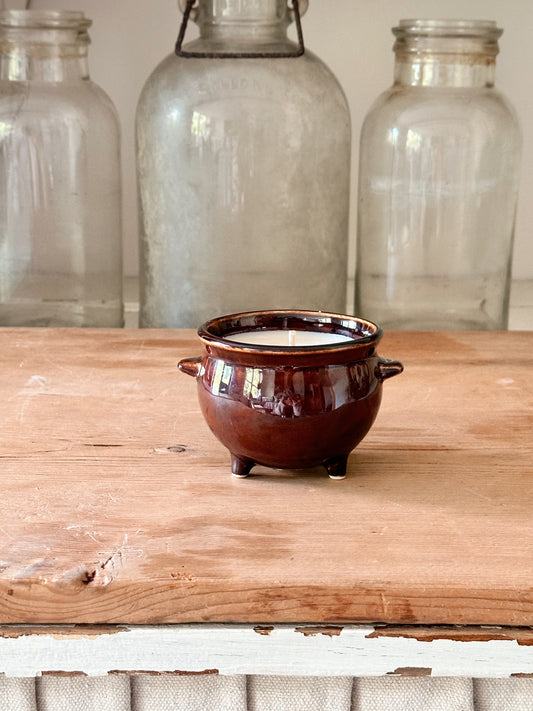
<point>350,650</point>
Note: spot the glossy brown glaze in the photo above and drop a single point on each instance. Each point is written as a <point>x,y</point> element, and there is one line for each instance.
<point>290,407</point>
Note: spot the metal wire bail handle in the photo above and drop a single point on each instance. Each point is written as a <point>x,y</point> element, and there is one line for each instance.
<point>189,6</point>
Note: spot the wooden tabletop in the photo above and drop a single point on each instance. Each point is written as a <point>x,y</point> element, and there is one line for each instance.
<point>117,504</point>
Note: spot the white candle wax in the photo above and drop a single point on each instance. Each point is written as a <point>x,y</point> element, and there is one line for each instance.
<point>287,337</point>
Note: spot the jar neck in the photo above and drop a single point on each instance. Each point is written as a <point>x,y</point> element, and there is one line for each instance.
<point>445,53</point>
<point>43,45</point>
<point>243,24</point>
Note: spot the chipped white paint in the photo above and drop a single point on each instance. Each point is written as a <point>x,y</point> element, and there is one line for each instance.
<point>34,384</point>
<point>505,381</point>
<point>243,649</point>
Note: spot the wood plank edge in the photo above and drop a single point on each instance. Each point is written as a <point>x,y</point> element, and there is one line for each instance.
<point>122,601</point>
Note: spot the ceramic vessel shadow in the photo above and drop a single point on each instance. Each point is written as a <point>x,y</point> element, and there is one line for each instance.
<point>290,407</point>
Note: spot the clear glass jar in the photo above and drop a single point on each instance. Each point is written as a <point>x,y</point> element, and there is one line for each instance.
<point>243,168</point>
<point>438,184</point>
<point>60,192</point>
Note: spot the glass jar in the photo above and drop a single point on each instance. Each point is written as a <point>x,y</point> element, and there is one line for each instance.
<point>243,155</point>
<point>60,193</point>
<point>438,184</point>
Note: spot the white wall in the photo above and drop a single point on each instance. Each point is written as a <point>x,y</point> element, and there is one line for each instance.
<point>352,36</point>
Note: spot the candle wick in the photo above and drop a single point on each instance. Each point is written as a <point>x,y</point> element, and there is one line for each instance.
<point>292,338</point>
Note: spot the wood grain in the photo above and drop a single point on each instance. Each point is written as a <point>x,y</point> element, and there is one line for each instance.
<point>117,504</point>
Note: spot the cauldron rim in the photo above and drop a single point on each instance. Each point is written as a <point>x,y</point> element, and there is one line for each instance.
<point>365,334</point>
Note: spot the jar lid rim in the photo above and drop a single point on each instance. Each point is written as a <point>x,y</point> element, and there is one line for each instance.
<point>448,28</point>
<point>44,19</point>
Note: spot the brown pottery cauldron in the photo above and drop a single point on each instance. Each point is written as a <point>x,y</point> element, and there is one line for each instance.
<point>290,406</point>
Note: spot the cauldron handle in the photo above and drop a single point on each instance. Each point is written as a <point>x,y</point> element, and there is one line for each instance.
<point>191,366</point>
<point>387,368</point>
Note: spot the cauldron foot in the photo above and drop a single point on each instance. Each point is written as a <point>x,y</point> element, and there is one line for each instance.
<point>241,467</point>
<point>336,467</point>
